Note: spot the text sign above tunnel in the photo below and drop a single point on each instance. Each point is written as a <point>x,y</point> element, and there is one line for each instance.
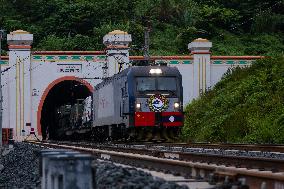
<point>69,68</point>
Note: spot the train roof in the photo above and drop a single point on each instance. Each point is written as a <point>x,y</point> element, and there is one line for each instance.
<point>145,70</point>
<point>142,71</point>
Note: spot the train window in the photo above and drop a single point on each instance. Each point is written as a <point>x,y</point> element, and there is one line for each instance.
<point>145,83</point>
<point>125,89</point>
<point>167,84</point>
<point>156,83</point>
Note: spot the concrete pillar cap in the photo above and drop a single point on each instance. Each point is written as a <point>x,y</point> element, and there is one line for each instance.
<point>117,32</point>
<point>201,40</point>
<point>19,32</point>
<point>117,39</point>
<point>19,39</point>
<point>200,45</point>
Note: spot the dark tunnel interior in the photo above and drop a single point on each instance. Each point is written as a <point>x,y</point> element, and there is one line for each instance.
<point>65,92</point>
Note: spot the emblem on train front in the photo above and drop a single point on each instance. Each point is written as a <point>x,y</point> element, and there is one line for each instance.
<point>158,103</point>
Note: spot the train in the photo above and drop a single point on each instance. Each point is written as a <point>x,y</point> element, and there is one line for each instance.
<point>139,103</point>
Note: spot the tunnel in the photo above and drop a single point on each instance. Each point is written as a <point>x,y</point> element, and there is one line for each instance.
<point>63,94</point>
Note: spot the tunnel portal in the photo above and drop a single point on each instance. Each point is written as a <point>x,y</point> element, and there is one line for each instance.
<point>65,93</point>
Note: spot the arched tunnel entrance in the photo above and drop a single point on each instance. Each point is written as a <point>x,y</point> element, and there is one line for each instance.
<point>57,105</point>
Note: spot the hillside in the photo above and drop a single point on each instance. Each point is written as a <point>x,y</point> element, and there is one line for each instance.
<point>236,27</point>
<point>247,105</point>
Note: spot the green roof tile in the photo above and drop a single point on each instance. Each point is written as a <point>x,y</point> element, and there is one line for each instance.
<point>174,62</point>
<point>75,57</point>
<point>49,57</point>
<point>101,57</point>
<point>186,62</point>
<point>217,62</point>
<point>3,62</point>
<point>64,57</point>
<point>36,57</point>
<point>89,57</point>
<point>230,62</point>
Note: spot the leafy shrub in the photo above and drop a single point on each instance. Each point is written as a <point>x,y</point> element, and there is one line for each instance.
<point>247,105</point>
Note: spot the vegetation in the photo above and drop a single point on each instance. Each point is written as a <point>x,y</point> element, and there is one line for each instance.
<point>247,105</point>
<point>237,27</point>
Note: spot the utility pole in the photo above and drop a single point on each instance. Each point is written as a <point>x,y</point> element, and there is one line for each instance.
<point>147,29</point>
<point>1,166</point>
<point>146,45</point>
<point>1,98</point>
<point>0,95</point>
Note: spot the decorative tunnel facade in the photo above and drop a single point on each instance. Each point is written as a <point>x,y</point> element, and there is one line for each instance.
<point>36,83</point>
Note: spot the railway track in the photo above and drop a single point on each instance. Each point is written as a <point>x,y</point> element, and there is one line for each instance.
<point>245,147</point>
<point>260,169</point>
<point>222,146</point>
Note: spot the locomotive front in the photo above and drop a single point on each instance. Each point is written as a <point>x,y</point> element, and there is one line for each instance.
<point>157,98</point>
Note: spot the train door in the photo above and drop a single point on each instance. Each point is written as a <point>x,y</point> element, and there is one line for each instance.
<point>124,100</point>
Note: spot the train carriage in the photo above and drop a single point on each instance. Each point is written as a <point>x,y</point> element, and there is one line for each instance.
<point>138,100</point>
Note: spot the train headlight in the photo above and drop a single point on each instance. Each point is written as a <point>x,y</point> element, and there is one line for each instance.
<point>155,71</point>
<point>138,106</point>
<point>176,105</point>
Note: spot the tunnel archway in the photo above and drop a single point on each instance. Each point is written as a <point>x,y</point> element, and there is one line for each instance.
<point>65,90</point>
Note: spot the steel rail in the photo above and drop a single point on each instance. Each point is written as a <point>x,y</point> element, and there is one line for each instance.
<point>227,146</point>
<point>255,178</point>
<point>241,161</point>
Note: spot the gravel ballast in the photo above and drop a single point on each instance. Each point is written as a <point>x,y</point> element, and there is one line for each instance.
<point>21,167</point>
<point>21,171</point>
<point>109,175</point>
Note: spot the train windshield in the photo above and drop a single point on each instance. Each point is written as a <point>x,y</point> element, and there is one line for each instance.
<point>166,84</point>
<point>156,83</point>
<point>146,83</point>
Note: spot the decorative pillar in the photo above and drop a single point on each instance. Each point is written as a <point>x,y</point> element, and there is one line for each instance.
<point>117,51</point>
<point>200,50</point>
<point>19,82</point>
